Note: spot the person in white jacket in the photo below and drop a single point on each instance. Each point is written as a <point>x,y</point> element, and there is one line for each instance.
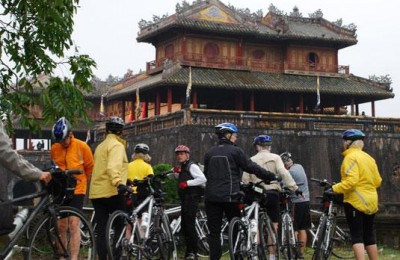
<point>273,163</point>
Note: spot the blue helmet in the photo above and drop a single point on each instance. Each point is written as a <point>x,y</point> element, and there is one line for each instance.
<point>225,128</point>
<point>60,129</point>
<point>262,140</point>
<point>353,134</point>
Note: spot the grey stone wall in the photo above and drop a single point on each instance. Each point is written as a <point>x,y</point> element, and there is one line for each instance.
<point>318,151</point>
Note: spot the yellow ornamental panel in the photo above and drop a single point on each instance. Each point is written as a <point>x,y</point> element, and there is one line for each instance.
<point>213,13</point>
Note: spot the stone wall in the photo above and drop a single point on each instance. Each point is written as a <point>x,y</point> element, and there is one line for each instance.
<point>318,151</point>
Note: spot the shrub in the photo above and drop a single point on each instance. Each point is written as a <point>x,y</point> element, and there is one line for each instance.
<point>170,185</point>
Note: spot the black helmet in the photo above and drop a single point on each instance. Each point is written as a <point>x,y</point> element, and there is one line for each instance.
<point>142,148</point>
<point>115,125</point>
<point>60,129</point>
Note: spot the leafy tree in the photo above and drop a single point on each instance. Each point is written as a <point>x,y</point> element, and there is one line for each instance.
<point>34,39</point>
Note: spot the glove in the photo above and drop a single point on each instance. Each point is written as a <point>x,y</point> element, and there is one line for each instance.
<point>122,189</point>
<point>176,169</point>
<point>183,185</point>
<point>298,192</point>
<point>271,177</point>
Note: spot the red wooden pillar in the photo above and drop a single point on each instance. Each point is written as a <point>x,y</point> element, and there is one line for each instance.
<point>123,110</point>
<point>145,109</point>
<point>184,47</point>
<point>169,99</point>
<point>337,110</point>
<point>373,108</point>
<point>252,104</point>
<point>133,112</point>
<point>239,53</point>
<point>157,103</point>
<point>195,101</point>
<point>238,100</point>
<point>301,104</point>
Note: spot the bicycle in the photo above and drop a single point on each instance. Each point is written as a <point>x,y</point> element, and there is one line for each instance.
<point>288,240</point>
<point>245,238</point>
<point>325,240</point>
<point>45,241</point>
<point>126,237</point>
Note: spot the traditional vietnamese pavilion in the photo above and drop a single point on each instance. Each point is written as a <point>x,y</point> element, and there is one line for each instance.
<point>245,62</point>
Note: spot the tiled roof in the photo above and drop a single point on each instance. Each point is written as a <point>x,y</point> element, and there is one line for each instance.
<point>346,86</point>
<point>291,28</point>
<point>232,79</point>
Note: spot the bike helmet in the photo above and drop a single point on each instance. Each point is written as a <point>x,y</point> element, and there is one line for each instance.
<point>60,129</point>
<point>142,148</point>
<point>286,156</point>
<point>262,140</point>
<point>115,124</point>
<point>182,148</point>
<point>226,128</point>
<point>353,134</point>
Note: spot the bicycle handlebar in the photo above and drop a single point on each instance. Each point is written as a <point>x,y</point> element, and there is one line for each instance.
<point>322,183</point>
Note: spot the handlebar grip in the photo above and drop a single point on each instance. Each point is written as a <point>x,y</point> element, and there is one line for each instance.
<point>71,172</point>
<point>316,180</point>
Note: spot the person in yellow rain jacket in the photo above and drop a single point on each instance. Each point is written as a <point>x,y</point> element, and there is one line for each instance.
<point>108,184</point>
<point>360,179</point>
<point>70,153</point>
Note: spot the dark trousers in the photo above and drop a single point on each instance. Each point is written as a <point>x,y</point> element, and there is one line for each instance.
<point>215,212</point>
<point>103,207</point>
<point>189,207</point>
<point>361,226</point>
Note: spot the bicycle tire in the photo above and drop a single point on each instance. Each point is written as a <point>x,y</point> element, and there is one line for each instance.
<point>320,237</point>
<point>268,230</point>
<point>288,247</point>
<point>43,242</point>
<point>264,234</point>
<point>115,235</point>
<point>342,246</point>
<point>237,239</point>
<point>166,240</point>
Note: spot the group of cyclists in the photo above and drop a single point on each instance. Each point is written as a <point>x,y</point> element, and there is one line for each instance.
<point>226,166</point>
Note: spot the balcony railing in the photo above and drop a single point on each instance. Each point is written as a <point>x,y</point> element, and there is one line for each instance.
<point>262,121</point>
<point>239,63</point>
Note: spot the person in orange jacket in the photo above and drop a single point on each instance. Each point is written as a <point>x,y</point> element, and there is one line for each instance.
<point>72,154</point>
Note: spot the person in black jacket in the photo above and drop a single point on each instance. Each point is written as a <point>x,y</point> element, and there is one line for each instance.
<point>191,181</point>
<point>223,168</point>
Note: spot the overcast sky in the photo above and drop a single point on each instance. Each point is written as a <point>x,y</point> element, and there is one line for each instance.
<point>107,31</point>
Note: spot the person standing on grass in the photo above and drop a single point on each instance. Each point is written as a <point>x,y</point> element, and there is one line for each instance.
<point>108,183</point>
<point>301,204</point>
<point>359,182</point>
<point>223,167</point>
<point>190,189</point>
<point>70,153</point>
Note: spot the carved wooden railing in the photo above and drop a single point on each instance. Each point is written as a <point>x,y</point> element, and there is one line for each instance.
<point>240,63</point>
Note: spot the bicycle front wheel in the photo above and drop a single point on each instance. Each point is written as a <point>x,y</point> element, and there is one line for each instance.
<point>58,237</point>
<point>268,237</point>
<point>319,247</point>
<point>238,238</point>
<point>116,235</point>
